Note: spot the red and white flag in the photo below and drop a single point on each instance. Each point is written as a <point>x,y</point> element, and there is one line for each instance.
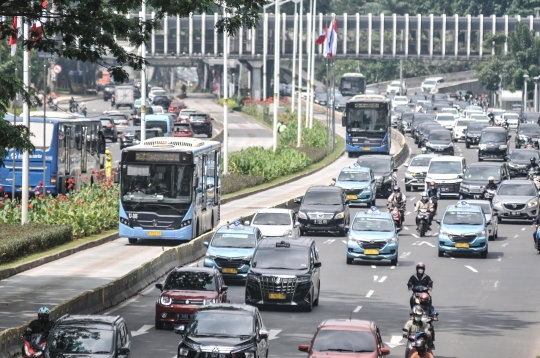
<point>15,34</point>
<point>37,27</point>
<point>332,38</point>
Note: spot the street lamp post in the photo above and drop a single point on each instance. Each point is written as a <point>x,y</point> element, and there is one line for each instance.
<point>535,105</point>
<point>276,72</point>
<point>225,104</point>
<point>295,47</point>
<point>525,93</point>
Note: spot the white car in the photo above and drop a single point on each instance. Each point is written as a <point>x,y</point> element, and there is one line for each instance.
<point>450,110</point>
<point>157,109</point>
<point>468,112</point>
<point>120,119</point>
<point>479,117</point>
<point>447,173</point>
<point>459,126</point>
<point>400,101</point>
<point>397,87</point>
<point>416,171</point>
<point>512,119</point>
<point>430,84</point>
<point>184,114</point>
<point>447,120</point>
<point>275,222</point>
<point>497,114</point>
<point>153,94</point>
<point>420,104</point>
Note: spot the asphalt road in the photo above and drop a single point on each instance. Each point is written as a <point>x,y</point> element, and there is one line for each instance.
<point>487,307</point>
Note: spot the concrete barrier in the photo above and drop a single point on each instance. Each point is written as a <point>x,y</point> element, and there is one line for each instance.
<point>417,81</point>
<point>473,85</point>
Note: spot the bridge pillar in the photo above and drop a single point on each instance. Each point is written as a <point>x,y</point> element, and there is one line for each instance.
<point>255,69</point>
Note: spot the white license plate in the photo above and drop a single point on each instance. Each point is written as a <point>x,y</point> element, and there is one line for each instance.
<point>515,213</point>
<point>321,222</point>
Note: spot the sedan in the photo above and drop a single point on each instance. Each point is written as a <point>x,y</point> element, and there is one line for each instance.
<point>276,222</point>
<point>121,120</point>
<point>109,129</point>
<point>162,101</point>
<point>516,199</point>
<point>182,130</point>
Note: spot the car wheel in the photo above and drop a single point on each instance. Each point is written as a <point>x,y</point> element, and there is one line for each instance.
<point>374,201</point>
<point>408,188</point>
<point>500,219</point>
<point>484,254</point>
<point>349,261</point>
<point>342,232</point>
<point>159,325</point>
<point>441,253</point>
<point>350,155</point>
<point>496,234</point>
<point>467,145</point>
<point>480,159</point>
<point>132,241</point>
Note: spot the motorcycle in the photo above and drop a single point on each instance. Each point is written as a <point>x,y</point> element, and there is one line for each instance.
<point>533,176</point>
<point>410,349</point>
<point>53,103</point>
<point>400,206</point>
<point>396,216</point>
<point>73,107</point>
<point>489,194</point>
<point>536,225</point>
<point>415,298</point>
<point>423,221</point>
<point>34,346</point>
<point>83,111</point>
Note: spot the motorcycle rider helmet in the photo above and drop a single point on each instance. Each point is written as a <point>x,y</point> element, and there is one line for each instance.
<point>420,268</point>
<point>417,313</point>
<point>43,314</point>
<point>421,346</point>
<point>424,298</point>
<point>533,160</point>
<point>491,180</point>
<point>432,185</point>
<point>424,197</point>
<point>397,189</point>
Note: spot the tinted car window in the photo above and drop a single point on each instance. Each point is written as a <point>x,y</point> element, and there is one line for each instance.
<point>200,281</point>
<point>353,176</point>
<point>516,189</point>
<point>157,124</point>
<point>291,258</point>
<point>376,166</point>
<point>323,197</point>
<point>67,340</point>
<point>482,173</point>
<point>440,136</point>
<point>272,219</point>
<point>344,341</point>
<point>372,224</point>
<point>445,167</point>
<point>493,137</point>
<point>223,324</point>
<point>420,162</point>
<point>525,155</point>
<point>476,126</point>
<point>237,240</point>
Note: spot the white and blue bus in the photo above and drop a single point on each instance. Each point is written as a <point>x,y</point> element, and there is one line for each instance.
<point>170,189</point>
<point>368,125</point>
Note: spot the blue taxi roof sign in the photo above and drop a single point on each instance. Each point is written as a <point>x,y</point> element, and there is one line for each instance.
<point>463,204</point>
<point>236,224</point>
<point>373,210</point>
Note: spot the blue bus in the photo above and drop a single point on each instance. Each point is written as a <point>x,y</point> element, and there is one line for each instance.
<point>170,189</point>
<point>368,125</point>
<point>74,148</point>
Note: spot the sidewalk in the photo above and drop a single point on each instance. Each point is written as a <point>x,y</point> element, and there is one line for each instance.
<point>78,98</point>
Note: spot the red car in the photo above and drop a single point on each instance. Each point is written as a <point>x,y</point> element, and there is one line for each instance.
<point>346,338</point>
<point>185,290</point>
<point>182,130</point>
<point>176,107</point>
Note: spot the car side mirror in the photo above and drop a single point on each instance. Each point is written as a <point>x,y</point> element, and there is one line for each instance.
<point>124,351</point>
<point>488,222</point>
<point>246,223</point>
<point>297,224</point>
<point>437,221</point>
<point>297,200</point>
<point>333,179</point>
<point>263,333</point>
<point>385,351</point>
<point>347,201</point>
<point>317,264</point>
<point>406,165</point>
<point>497,214</point>
<point>206,243</point>
<point>224,288</point>
<point>179,329</point>
<point>303,348</point>
<point>159,286</point>
<point>460,176</point>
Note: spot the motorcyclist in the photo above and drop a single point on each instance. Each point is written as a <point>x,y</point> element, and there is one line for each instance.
<point>420,279</point>
<point>490,185</point>
<point>533,165</point>
<point>83,109</point>
<point>434,192</point>
<point>397,198</point>
<point>421,350</point>
<point>491,119</point>
<point>416,325</point>
<point>429,310</point>
<point>424,203</point>
<point>113,100</point>
<point>41,325</point>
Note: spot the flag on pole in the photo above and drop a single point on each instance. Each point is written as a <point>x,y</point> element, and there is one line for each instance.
<point>37,27</point>
<point>322,37</point>
<point>332,38</point>
<point>16,32</point>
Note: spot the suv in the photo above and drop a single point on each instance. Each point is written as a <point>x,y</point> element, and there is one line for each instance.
<point>285,272</point>
<point>431,83</point>
<point>397,87</point>
<point>415,175</point>
<point>493,144</point>
<point>224,330</point>
<point>108,91</point>
<point>420,118</point>
<point>384,169</point>
<point>440,141</point>
<point>516,199</point>
<point>323,208</point>
<point>473,131</point>
<point>132,136</point>
<point>109,129</point>
<point>447,173</point>
<point>201,123</point>
<point>476,178</point>
<point>520,159</point>
<point>460,128</point>
<point>185,290</point>
<point>526,132</point>
<point>89,335</point>
<point>359,185</point>
<point>276,222</point>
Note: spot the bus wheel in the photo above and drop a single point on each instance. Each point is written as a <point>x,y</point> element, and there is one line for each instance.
<point>132,241</point>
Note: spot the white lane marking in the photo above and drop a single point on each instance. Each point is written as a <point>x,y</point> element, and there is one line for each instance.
<point>373,266</point>
<point>500,259</point>
<point>471,268</point>
<point>515,236</point>
<point>452,258</point>
<point>357,309</point>
<point>329,241</point>
<point>523,229</point>
<point>496,284</point>
<point>427,243</point>
<point>272,334</point>
<point>375,278</point>
<point>505,244</point>
<point>415,236</point>
<point>142,330</point>
<point>344,241</point>
<point>402,179</point>
<point>404,255</point>
<point>412,199</point>
<point>370,293</point>
<point>406,227</point>
<point>395,341</point>
<point>132,299</point>
<point>428,233</point>
<point>383,279</point>
<point>436,234</point>
<point>392,268</point>
<point>408,213</point>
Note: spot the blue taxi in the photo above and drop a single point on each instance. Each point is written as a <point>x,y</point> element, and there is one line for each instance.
<point>372,236</point>
<point>463,229</point>
<point>231,248</point>
<point>358,183</point>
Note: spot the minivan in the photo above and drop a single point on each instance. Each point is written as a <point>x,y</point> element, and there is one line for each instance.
<point>477,175</point>
<point>447,173</point>
<point>161,121</point>
<point>493,144</point>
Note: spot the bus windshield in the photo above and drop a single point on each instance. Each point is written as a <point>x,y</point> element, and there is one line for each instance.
<point>367,120</point>
<point>353,85</point>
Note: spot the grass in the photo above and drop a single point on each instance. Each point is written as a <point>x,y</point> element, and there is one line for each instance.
<point>340,147</point>
<point>57,249</point>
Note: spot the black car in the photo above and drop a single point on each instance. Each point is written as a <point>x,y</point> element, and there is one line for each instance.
<point>132,135</point>
<point>108,91</point>
<point>103,336</point>
<point>424,130</point>
<point>109,129</point>
<point>473,131</point>
<point>223,331</point>
<point>527,132</point>
<point>420,130</point>
<point>162,101</point>
<point>383,169</point>
<point>493,144</point>
<point>406,121</point>
<point>201,123</point>
<point>529,117</point>
<point>440,142</point>
<point>418,97</point>
<point>519,159</point>
<point>420,118</point>
<point>323,208</point>
<point>476,178</point>
<point>285,272</point>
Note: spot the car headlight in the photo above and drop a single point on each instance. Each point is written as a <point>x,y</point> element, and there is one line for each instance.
<point>497,203</point>
<point>530,204</point>
<point>340,215</point>
<point>481,233</point>
<point>249,354</point>
<point>302,279</point>
<point>428,144</point>
<point>287,233</point>
<point>302,215</point>
<point>392,240</point>
<point>482,146</point>
<point>450,144</point>
<point>165,301</point>
<point>183,352</point>
<point>503,146</point>
<point>465,188</point>
<point>246,259</point>
<point>443,235</point>
<point>210,256</point>
<point>409,173</point>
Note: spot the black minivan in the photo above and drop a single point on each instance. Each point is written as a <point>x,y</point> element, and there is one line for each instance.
<point>493,144</point>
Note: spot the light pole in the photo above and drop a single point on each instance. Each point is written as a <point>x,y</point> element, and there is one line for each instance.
<point>143,80</point>
<point>295,47</point>
<point>536,79</point>
<point>525,93</point>
<point>276,72</point>
<point>26,122</point>
<point>225,104</point>
<point>312,89</point>
<point>300,40</point>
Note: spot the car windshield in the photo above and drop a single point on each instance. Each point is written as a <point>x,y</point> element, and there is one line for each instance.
<point>372,224</point>
<point>157,124</point>
<point>529,129</point>
<point>482,173</point>
<point>376,166</point>
<point>185,280</point>
<point>511,116</point>
<point>486,208</point>
<point>450,110</point>
<point>222,324</point>
<point>476,126</point>
<point>401,99</point>
<point>444,167</point>
<point>272,219</point>
<point>449,118</point>
<point>525,155</point>
<point>80,340</point>
<point>420,162</point>
<point>354,176</point>
<point>344,341</point>
<point>463,218</point>
<point>441,136</point>
<point>517,190</point>
<point>493,137</point>
<point>288,258</point>
<point>462,123</point>
<point>105,122</point>
<point>322,197</point>
<point>236,240</point>
<point>429,82</point>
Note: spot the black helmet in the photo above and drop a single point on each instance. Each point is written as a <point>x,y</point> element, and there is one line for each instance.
<point>421,346</point>
<point>43,313</point>
<point>420,268</point>
<point>533,160</point>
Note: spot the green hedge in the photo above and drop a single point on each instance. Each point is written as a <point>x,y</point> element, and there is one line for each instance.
<point>311,137</point>
<point>231,183</point>
<point>17,242</point>
<point>315,155</point>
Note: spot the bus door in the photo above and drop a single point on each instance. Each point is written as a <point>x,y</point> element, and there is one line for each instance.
<point>81,147</point>
<point>66,148</point>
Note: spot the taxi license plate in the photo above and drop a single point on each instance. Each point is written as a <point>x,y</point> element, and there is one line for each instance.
<point>154,233</point>
<point>276,296</point>
<point>321,222</point>
<point>462,245</point>
<point>371,252</point>
<point>366,148</point>
<point>352,197</point>
<point>229,270</point>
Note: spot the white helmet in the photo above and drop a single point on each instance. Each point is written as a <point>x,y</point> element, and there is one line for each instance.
<point>491,178</point>
<point>424,195</point>
<point>82,104</point>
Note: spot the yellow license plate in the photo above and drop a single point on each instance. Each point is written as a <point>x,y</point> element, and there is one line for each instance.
<point>366,148</point>
<point>229,270</point>
<point>371,252</point>
<point>276,296</point>
<point>352,197</point>
<point>154,233</point>
<point>462,245</point>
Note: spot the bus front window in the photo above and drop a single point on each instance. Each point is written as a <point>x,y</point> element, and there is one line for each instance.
<point>351,86</point>
<point>366,120</point>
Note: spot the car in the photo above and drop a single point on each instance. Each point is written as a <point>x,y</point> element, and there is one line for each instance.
<point>519,160</point>
<point>323,209</point>
<point>359,185</point>
<point>497,113</point>
<point>440,142</point>
<point>400,101</point>
<point>423,131</point>
<point>88,336</point>
<point>132,135</point>
<point>109,129</point>
<point>418,97</point>
<point>463,229</point>
<point>430,84</point>
<point>384,169</point>
<point>157,92</point>
<point>529,117</point>
<point>476,178</point>
<point>201,123</point>
<point>136,92</point>
<point>224,330</point>
<point>231,248</point>
<point>416,171</point>
<point>120,119</point>
<point>479,117</point>
<point>420,104</point>
<point>406,121</point>
<point>285,271</point>
<point>184,114</point>
<point>372,236</point>
<point>162,101</point>
<point>493,143</point>
<point>395,117</point>
<point>440,97</point>
<point>450,110</point>
<point>372,90</point>
<point>473,131</point>
<point>108,91</point>
<point>445,119</point>
<point>346,338</point>
<point>182,130</point>
<point>176,107</point>
<point>447,173</point>
<point>516,199</point>
<point>341,103</point>
<point>420,118</point>
<point>157,110</point>
<point>397,87</point>
<point>138,102</point>
<point>491,220</point>
<point>458,133</point>
<point>511,118</point>
<point>527,132</point>
<point>275,222</point>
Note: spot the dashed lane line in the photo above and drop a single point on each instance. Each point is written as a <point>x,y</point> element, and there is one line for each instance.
<point>370,293</point>
<point>505,244</point>
<point>383,279</point>
<point>415,236</point>
<point>357,309</point>
<point>373,266</point>
<point>471,268</point>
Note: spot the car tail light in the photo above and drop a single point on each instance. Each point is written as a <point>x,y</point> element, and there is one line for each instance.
<point>110,126</point>
<point>125,123</point>
<point>206,121</point>
<point>123,137</point>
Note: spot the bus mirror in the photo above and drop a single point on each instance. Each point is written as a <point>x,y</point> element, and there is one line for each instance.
<point>196,182</point>
<point>344,121</point>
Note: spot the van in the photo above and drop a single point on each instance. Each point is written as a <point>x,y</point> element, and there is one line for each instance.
<point>447,173</point>
<point>429,85</point>
<point>161,121</point>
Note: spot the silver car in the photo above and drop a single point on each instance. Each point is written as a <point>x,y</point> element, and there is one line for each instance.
<point>416,171</point>
<point>516,199</point>
<point>491,223</point>
<point>274,222</point>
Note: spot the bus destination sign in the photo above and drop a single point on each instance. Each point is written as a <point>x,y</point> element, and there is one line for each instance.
<point>157,157</point>
<point>369,105</point>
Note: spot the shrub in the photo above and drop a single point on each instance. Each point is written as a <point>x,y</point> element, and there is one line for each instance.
<point>16,242</point>
<point>231,102</point>
<point>314,154</point>
<point>314,137</point>
<point>231,183</point>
